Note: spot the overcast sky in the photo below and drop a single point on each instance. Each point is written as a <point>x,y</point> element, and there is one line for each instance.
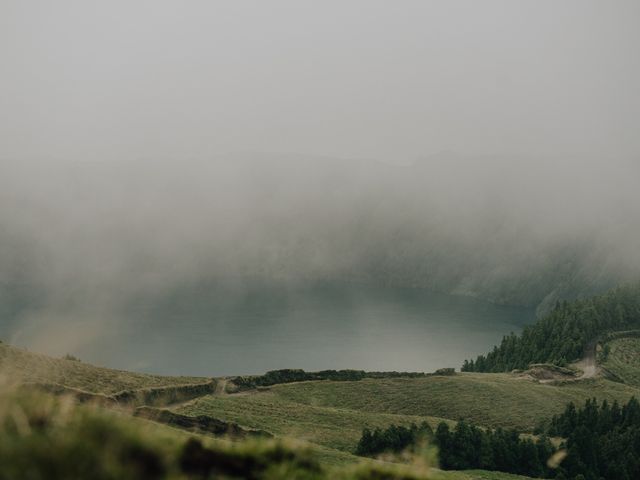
<point>392,80</point>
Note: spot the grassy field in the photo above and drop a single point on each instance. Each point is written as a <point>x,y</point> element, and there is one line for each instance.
<point>337,428</point>
<point>327,417</point>
<point>323,419</point>
<point>24,366</point>
<point>331,413</point>
<point>323,433</point>
<point>43,437</point>
<point>624,359</point>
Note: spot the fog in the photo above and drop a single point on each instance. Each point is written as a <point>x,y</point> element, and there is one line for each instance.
<point>487,149</point>
<point>345,79</point>
<point>81,241</point>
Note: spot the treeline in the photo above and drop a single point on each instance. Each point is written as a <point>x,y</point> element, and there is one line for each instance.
<point>602,441</point>
<point>394,439</point>
<point>469,447</point>
<point>562,336</point>
<point>465,447</point>
<point>290,375</point>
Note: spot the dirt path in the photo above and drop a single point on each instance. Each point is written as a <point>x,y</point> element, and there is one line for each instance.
<point>588,364</point>
<point>221,384</point>
<point>221,387</point>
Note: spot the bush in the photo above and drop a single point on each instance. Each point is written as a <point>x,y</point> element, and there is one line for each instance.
<point>68,356</point>
<point>290,375</point>
<point>394,439</point>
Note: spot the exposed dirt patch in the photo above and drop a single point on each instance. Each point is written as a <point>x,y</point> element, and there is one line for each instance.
<point>588,364</point>
<point>547,373</point>
<point>199,423</point>
<point>586,367</point>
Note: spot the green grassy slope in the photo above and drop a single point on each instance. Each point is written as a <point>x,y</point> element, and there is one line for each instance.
<point>624,359</point>
<point>327,433</point>
<point>55,439</point>
<point>490,400</point>
<point>24,366</point>
<point>336,428</point>
<point>47,438</point>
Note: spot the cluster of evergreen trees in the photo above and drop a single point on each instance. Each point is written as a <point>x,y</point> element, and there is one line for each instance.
<point>562,336</point>
<point>465,447</point>
<point>394,439</point>
<point>468,447</point>
<point>290,375</point>
<point>602,441</point>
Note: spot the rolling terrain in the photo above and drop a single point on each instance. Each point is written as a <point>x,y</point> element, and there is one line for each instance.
<point>243,421</point>
<point>24,366</point>
<point>327,433</point>
<point>623,360</point>
<point>490,400</point>
<point>328,416</point>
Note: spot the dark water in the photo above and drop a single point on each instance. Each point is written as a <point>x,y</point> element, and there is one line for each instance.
<point>214,330</point>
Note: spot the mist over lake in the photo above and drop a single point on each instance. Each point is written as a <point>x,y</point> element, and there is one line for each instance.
<point>351,240</point>
<point>112,262</point>
<point>217,329</point>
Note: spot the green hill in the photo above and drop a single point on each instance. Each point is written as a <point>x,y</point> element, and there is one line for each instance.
<point>565,333</point>
<point>328,433</point>
<point>623,359</point>
<point>316,409</point>
<point>24,366</point>
<point>325,416</point>
<point>338,428</point>
<point>53,438</point>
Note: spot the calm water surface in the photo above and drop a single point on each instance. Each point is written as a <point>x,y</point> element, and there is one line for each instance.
<point>213,330</point>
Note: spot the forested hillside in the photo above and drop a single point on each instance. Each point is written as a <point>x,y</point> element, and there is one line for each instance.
<point>602,440</point>
<point>563,334</point>
<point>594,442</point>
<point>465,447</point>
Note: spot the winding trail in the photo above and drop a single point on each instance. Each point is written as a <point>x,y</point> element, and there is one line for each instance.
<point>588,363</point>
<point>221,386</point>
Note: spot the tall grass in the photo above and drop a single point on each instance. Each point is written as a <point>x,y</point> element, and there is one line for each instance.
<point>43,437</point>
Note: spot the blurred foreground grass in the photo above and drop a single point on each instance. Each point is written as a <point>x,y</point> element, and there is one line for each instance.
<point>54,438</point>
